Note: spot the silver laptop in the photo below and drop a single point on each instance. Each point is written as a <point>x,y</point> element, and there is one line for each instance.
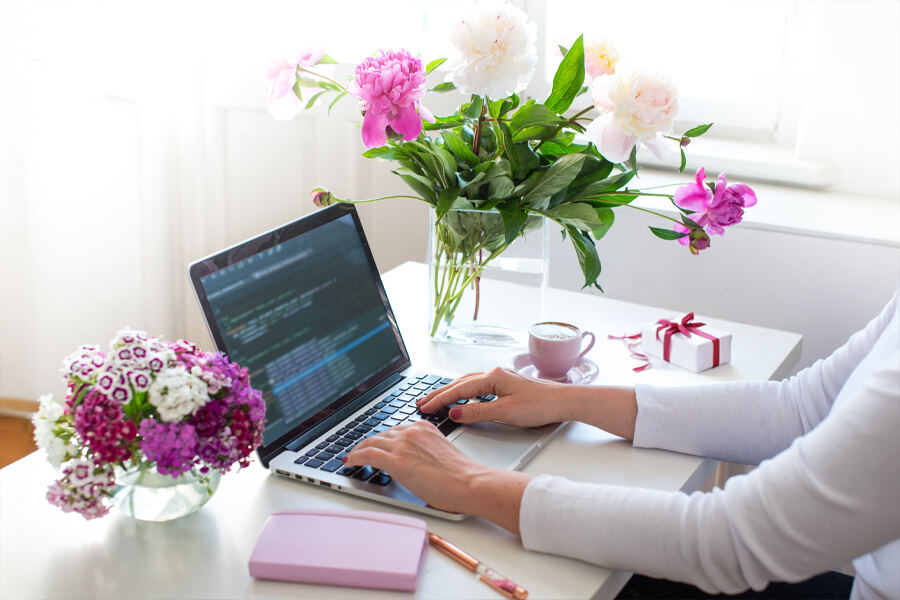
<point>303,308</point>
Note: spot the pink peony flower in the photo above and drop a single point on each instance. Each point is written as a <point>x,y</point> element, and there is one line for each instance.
<point>391,84</point>
<point>635,108</point>
<point>713,211</point>
<point>281,75</point>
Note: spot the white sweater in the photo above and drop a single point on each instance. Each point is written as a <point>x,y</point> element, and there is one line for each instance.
<point>827,489</point>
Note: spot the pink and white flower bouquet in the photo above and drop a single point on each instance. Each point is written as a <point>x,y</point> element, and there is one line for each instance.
<point>147,406</point>
<point>501,162</point>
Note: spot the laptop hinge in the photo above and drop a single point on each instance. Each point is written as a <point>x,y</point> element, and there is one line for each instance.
<point>345,412</point>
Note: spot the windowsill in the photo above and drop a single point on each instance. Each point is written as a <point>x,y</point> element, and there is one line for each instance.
<point>786,209</point>
<point>748,161</point>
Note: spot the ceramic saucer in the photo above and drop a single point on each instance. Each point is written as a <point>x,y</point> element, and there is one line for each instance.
<point>584,372</point>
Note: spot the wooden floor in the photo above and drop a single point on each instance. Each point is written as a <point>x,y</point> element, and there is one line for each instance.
<point>16,439</point>
<point>16,431</point>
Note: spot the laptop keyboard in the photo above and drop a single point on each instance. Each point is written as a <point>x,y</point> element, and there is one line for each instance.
<point>399,407</point>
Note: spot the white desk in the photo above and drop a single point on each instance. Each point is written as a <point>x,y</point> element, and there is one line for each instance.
<point>45,553</point>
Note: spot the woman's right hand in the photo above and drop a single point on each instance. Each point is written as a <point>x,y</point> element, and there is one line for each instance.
<point>520,401</point>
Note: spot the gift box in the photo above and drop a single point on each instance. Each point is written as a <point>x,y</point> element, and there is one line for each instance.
<point>691,345</point>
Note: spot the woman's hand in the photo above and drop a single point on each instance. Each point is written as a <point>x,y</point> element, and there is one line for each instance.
<point>520,401</point>
<point>526,402</point>
<point>421,459</point>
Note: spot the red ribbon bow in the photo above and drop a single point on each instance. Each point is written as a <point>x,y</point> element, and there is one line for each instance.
<point>685,326</point>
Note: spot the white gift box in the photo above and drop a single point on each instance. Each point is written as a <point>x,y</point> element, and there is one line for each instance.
<point>694,353</point>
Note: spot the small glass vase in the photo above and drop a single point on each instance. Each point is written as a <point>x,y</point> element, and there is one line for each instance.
<point>474,274</point>
<point>147,495</point>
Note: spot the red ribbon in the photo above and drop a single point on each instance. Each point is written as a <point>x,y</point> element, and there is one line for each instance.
<point>630,342</point>
<point>685,326</point>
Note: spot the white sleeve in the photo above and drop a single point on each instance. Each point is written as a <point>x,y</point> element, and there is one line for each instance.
<point>830,497</point>
<point>747,422</point>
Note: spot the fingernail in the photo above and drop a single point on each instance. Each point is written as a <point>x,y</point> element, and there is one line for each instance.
<point>420,401</point>
<point>455,412</point>
<point>344,459</point>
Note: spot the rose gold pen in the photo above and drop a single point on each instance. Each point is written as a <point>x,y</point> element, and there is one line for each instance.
<point>485,573</point>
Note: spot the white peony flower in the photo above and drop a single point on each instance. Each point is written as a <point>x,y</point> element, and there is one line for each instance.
<point>636,107</point>
<point>600,57</point>
<point>176,393</point>
<point>495,47</point>
<point>46,428</point>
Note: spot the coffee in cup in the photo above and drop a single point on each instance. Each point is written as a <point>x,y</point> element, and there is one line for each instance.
<point>555,347</point>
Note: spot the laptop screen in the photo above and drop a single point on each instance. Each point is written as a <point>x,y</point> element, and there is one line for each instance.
<point>305,313</point>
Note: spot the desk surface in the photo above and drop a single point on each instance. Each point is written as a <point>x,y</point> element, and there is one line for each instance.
<point>45,553</point>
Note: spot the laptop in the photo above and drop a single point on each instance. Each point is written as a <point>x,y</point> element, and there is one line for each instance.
<point>303,308</point>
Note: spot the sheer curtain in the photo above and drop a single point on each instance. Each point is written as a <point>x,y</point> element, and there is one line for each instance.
<point>134,139</point>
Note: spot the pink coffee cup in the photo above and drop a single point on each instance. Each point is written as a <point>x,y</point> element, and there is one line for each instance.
<point>555,347</point>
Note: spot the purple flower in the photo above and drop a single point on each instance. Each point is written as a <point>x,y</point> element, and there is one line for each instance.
<point>101,424</point>
<point>172,446</point>
<point>82,488</point>
<point>391,84</point>
<point>712,211</point>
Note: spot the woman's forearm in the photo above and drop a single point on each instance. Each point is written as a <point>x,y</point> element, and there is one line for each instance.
<point>613,409</point>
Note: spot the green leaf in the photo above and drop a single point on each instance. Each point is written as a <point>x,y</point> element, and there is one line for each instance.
<point>448,162</point>
<point>528,160</point>
<point>444,122</point>
<point>536,132</point>
<point>568,79</point>
<point>609,184</point>
<point>607,218</point>
<point>381,152</point>
<point>306,82</point>
<point>509,149</point>
<point>690,223</point>
<point>500,187</point>
<point>445,200</point>
<point>327,85</point>
<point>667,234</point>
<point>434,65</point>
<point>458,147</point>
<point>683,161</point>
<point>513,220</point>
<point>579,215</point>
<point>698,130</point>
<point>554,149</point>
<point>562,49</point>
<point>587,255</point>
<point>473,108</point>
<point>447,86</point>
<point>558,176</point>
<point>335,101</point>
<point>313,98</point>
<point>419,184</point>
<point>533,114</point>
<point>612,200</point>
<point>326,60</point>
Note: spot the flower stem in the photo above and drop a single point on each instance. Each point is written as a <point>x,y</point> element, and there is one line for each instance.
<point>320,76</point>
<point>559,127</point>
<point>476,143</point>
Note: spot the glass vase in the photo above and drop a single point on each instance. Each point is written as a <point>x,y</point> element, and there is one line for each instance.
<point>147,495</point>
<point>476,278</point>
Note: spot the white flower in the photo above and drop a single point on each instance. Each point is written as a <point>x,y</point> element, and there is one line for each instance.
<point>636,108</point>
<point>496,52</point>
<point>600,57</point>
<point>46,430</point>
<point>176,393</point>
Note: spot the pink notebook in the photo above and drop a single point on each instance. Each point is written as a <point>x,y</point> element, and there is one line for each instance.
<point>341,547</point>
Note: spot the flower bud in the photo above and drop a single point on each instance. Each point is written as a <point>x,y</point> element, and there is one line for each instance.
<point>699,241</point>
<point>321,197</point>
<point>685,140</point>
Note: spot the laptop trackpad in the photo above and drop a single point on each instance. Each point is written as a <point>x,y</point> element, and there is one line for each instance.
<point>495,444</point>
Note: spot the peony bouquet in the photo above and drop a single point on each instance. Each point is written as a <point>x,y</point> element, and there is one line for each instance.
<point>146,406</point>
<point>501,162</point>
